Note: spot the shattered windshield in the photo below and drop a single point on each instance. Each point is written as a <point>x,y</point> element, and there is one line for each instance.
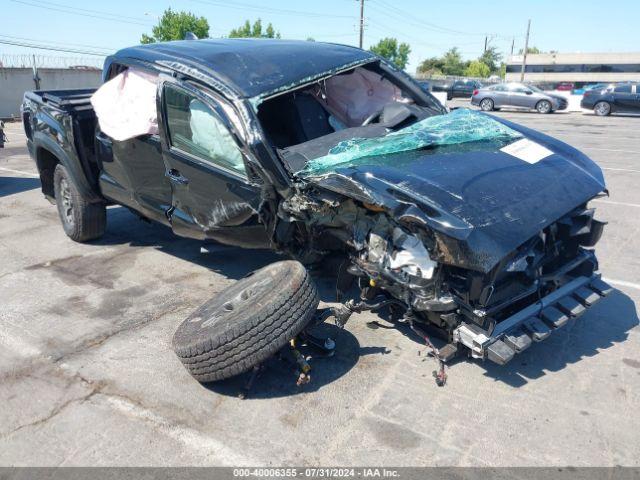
<point>458,127</point>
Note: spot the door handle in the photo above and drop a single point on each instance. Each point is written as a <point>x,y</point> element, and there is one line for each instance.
<point>174,175</point>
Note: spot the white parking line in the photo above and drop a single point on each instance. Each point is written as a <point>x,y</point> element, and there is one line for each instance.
<point>624,204</point>
<point>192,439</point>
<point>28,174</point>
<point>622,283</point>
<point>611,150</point>
<point>620,169</point>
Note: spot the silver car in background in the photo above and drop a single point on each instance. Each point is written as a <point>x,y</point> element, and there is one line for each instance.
<point>517,95</point>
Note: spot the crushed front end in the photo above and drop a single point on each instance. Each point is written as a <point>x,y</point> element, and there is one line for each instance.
<point>530,292</point>
<point>477,229</point>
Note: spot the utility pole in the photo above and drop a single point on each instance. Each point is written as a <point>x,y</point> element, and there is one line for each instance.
<point>36,77</point>
<point>513,42</point>
<point>361,22</point>
<point>524,53</point>
<point>485,43</point>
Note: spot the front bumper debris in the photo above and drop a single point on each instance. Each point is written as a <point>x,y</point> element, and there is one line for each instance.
<point>533,323</point>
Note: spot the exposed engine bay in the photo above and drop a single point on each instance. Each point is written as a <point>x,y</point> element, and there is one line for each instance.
<point>402,261</point>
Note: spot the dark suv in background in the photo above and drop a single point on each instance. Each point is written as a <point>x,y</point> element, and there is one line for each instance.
<point>459,88</point>
<point>620,98</point>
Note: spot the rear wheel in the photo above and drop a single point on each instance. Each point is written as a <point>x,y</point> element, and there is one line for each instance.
<point>486,104</point>
<point>602,109</point>
<point>82,220</point>
<point>543,106</point>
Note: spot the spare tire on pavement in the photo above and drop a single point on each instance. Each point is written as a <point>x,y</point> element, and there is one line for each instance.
<point>248,322</point>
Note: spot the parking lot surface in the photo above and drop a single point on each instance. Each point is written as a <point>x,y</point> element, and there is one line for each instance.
<point>88,375</point>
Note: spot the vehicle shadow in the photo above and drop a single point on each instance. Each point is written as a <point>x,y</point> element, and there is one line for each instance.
<point>614,114</point>
<point>125,228</point>
<point>13,185</point>
<point>602,326</point>
<point>279,374</point>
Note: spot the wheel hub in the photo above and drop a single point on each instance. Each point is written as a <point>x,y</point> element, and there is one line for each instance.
<point>67,203</point>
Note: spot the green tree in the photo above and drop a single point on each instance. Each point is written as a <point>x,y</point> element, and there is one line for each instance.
<point>452,62</point>
<point>175,25</point>
<point>533,50</point>
<point>477,69</point>
<point>390,49</point>
<point>254,31</point>
<point>431,66</point>
<point>491,58</point>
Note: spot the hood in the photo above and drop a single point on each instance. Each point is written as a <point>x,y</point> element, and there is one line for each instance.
<point>481,201</point>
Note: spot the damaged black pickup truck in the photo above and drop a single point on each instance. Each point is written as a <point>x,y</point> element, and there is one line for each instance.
<point>468,225</point>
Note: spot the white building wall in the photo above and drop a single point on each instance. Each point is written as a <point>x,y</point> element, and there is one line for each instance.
<point>575,59</point>
<point>15,81</point>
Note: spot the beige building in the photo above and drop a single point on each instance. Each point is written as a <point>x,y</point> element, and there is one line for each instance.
<point>575,67</point>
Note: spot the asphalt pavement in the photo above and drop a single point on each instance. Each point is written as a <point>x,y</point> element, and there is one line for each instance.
<point>88,376</point>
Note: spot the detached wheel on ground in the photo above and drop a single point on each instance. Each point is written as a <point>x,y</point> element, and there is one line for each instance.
<point>82,220</point>
<point>486,105</point>
<point>247,323</point>
<point>543,106</point>
<point>602,109</point>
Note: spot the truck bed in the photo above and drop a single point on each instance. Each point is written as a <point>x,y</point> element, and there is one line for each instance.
<point>65,99</point>
<point>63,124</point>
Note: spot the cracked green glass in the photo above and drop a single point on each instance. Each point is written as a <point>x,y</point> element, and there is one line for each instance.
<point>457,127</point>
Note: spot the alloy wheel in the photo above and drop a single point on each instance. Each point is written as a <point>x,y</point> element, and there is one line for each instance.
<point>486,105</point>
<point>67,202</point>
<point>544,107</point>
<point>602,108</point>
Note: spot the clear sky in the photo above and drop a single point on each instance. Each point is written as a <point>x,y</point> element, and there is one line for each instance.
<point>430,27</point>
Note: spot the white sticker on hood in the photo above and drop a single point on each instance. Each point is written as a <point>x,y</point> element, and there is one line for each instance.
<point>525,149</point>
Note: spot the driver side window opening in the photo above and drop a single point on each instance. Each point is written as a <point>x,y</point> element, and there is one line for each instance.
<point>347,100</point>
<point>193,127</point>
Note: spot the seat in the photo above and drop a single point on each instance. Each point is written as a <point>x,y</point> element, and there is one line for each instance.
<point>313,118</point>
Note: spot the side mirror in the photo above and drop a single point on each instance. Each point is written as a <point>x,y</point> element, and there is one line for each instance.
<point>529,92</point>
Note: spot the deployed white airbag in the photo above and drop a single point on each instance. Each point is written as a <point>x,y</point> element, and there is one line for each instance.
<point>352,97</point>
<point>126,105</point>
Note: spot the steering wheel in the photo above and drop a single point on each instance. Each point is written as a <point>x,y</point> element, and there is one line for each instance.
<point>372,117</point>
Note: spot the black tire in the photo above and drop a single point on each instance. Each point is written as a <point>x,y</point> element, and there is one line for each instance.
<point>246,323</point>
<point>544,106</point>
<point>602,109</point>
<point>487,105</point>
<point>82,220</point>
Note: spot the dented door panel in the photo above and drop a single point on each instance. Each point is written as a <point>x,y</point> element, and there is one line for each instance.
<point>212,197</point>
<point>209,203</point>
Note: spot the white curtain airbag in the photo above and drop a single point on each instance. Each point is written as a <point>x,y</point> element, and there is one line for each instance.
<point>126,105</point>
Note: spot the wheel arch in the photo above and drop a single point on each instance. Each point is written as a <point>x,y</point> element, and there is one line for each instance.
<point>48,154</point>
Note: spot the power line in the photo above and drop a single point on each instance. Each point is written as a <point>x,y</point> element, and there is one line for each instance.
<point>275,11</point>
<point>58,43</point>
<point>48,47</point>
<point>411,18</point>
<point>100,12</point>
<point>416,40</point>
<point>72,11</point>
